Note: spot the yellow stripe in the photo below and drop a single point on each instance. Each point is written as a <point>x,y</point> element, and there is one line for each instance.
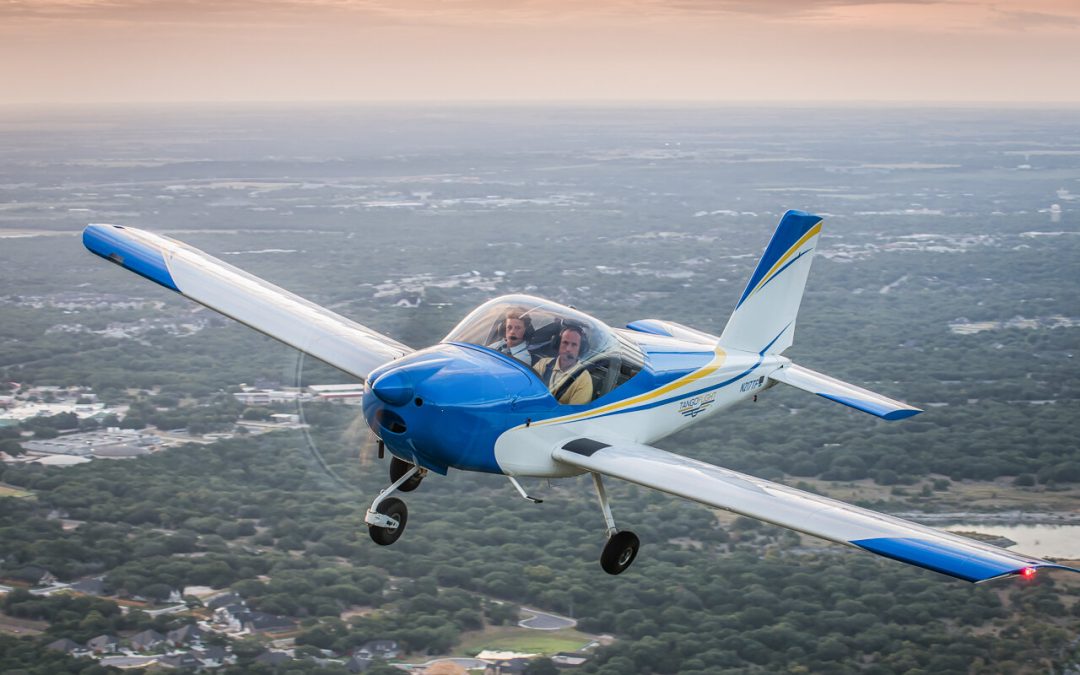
<point>719,356</point>
<point>791,251</point>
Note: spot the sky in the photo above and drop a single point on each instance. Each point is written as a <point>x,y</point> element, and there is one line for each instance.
<point>659,51</point>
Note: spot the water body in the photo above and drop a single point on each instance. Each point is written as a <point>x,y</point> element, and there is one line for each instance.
<point>1053,541</point>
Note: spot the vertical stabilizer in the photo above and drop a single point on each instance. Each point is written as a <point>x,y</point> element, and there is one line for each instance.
<point>764,319</point>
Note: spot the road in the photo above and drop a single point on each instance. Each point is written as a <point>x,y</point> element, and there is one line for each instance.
<point>544,621</point>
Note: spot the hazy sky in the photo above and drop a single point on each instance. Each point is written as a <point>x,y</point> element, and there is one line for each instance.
<point>539,50</point>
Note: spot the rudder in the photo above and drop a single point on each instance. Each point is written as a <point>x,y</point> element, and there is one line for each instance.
<point>764,318</point>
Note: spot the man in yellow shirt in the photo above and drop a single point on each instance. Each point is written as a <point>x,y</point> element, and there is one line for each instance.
<point>555,369</point>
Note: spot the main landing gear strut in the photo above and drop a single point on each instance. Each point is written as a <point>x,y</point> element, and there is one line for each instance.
<point>386,517</point>
<point>621,547</point>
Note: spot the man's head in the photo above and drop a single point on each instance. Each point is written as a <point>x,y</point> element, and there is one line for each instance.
<point>516,328</point>
<point>570,344</point>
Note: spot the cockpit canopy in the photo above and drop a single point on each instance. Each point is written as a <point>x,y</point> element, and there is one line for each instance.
<point>608,357</point>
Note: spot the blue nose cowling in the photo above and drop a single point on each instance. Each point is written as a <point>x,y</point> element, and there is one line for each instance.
<point>393,388</point>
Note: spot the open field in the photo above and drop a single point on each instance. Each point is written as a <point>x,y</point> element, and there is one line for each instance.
<point>517,639</point>
<point>9,491</point>
<point>20,627</point>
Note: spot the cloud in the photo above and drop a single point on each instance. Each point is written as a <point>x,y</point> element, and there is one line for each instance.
<point>777,8</point>
<point>1024,20</point>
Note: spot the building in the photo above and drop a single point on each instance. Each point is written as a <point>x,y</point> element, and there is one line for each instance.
<point>146,640</point>
<point>114,443</point>
<point>185,635</point>
<point>250,396</point>
<point>103,644</point>
<point>347,394</point>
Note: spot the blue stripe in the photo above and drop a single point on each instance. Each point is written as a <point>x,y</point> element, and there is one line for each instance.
<point>112,243</point>
<point>941,557</point>
<point>791,229</point>
<point>874,408</point>
<point>786,265</point>
<point>648,326</point>
<point>679,397</point>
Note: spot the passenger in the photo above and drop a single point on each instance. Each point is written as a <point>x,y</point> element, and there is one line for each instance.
<point>517,328</point>
<point>555,369</point>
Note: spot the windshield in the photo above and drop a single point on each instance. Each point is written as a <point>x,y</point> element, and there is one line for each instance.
<point>578,357</point>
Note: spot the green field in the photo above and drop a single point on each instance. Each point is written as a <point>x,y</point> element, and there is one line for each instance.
<point>516,639</point>
<point>8,491</point>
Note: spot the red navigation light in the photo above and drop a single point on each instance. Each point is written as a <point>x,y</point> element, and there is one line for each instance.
<point>1028,572</point>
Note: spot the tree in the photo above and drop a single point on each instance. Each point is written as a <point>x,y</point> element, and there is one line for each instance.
<point>541,666</point>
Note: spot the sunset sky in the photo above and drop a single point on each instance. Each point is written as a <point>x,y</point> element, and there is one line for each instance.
<point>59,51</point>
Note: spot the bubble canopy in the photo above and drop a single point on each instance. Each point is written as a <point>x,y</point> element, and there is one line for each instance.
<point>608,357</point>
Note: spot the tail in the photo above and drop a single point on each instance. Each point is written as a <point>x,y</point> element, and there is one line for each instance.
<point>764,320</point>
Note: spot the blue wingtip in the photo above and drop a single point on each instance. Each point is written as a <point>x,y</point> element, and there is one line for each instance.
<point>872,407</point>
<point>940,557</point>
<point>115,244</point>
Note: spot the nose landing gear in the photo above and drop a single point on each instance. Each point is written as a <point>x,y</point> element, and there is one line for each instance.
<point>622,547</point>
<point>398,467</point>
<point>386,517</point>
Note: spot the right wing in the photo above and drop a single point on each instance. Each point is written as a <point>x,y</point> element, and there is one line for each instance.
<point>823,517</point>
<point>297,322</point>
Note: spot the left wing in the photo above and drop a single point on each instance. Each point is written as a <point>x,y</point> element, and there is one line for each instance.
<point>823,517</point>
<point>297,322</point>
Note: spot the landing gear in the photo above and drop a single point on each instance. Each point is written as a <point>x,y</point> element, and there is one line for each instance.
<point>393,509</point>
<point>619,552</point>
<point>387,515</point>
<point>398,468</point>
<point>622,547</point>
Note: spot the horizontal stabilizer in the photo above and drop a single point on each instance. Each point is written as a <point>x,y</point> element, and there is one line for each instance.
<point>297,322</point>
<point>788,507</point>
<point>842,392</point>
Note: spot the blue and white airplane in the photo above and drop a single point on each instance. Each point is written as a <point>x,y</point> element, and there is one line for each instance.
<point>527,387</point>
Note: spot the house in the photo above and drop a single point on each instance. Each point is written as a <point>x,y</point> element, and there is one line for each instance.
<point>382,649</point>
<point>89,586</point>
<point>213,656</point>
<point>569,659</point>
<point>357,664</point>
<point>103,644</point>
<point>34,575</point>
<point>64,645</point>
<point>224,600</point>
<point>185,660</point>
<point>146,640</point>
<point>260,621</point>
<point>185,635</point>
<point>514,666</point>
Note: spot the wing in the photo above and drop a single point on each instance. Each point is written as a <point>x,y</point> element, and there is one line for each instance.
<point>842,392</point>
<point>261,305</point>
<point>813,514</point>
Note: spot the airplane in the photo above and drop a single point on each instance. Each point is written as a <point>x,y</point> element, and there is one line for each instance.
<point>480,399</point>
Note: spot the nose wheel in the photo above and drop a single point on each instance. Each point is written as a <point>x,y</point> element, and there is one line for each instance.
<point>393,509</point>
<point>622,547</point>
<point>386,517</point>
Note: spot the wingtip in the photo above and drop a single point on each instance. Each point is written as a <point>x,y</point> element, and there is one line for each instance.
<point>116,244</point>
<point>901,414</point>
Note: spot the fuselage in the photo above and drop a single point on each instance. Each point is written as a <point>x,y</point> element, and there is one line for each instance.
<point>465,406</point>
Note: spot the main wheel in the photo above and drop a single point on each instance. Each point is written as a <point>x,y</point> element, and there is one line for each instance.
<point>619,552</point>
<point>396,509</point>
<point>398,467</point>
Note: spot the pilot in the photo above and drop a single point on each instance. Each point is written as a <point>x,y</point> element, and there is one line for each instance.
<point>555,369</point>
<point>517,328</point>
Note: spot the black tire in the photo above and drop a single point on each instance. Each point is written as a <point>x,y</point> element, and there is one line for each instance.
<point>396,509</point>
<point>398,467</point>
<point>619,552</point>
